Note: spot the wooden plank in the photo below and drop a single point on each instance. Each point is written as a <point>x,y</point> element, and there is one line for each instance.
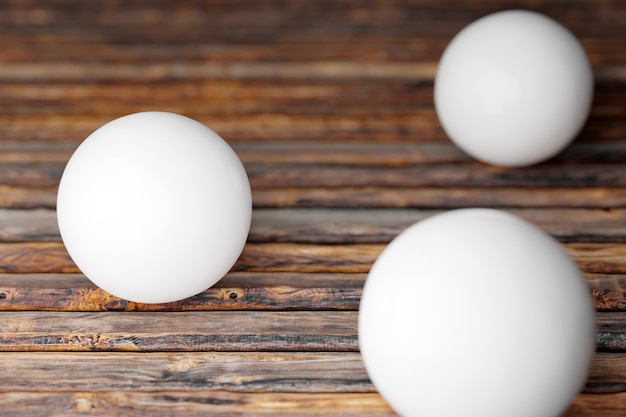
<point>598,405</point>
<point>471,174</point>
<point>20,197</point>
<point>188,331</point>
<point>353,153</point>
<point>344,13</point>
<point>317,225</point>
<point>442,175</point>
<point>212,331</point>
<point>416,197</point>
<point>348,226</point>
<point>51,257</point>
<point>240,127</point>
<point>287,96</point>
<point>227,404</point>
<point>419,124</point>
<point>608,291</point>
<point>236,372</point>
<point>194,404</point>
<point>236,291</point>
<point>610,336</point>
<point>607,374</point>
<point>28,197</point>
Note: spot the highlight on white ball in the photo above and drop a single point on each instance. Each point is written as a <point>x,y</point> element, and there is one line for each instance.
<point>513,88</point>
<point>154,207</point>
<point>476,312</point>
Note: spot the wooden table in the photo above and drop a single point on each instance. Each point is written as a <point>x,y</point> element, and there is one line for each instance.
<point>329,105</point>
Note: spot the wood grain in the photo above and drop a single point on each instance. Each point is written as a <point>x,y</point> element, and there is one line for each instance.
<point>52,257</point>
<point>194,404</point>
<point>346,226</point>
<point>237,372</point>
<point>254,331</point>
<point>329,106</point>
<point>20,197</point>
<point>439,175</point>
<point>227,404</point>
<point>237,291</point>
<point>199,331</point>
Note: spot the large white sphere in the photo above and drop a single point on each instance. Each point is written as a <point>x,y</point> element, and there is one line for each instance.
<point>476,313</point>
<point>154,207</point>
<point>513,88</point>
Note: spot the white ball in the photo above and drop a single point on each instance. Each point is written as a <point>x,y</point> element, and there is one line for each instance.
<point>476,313</point>
<point>154,207</point>
<point>513,88</point>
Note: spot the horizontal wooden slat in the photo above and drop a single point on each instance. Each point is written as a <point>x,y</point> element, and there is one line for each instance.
<point>212,331</point>
<point>196,404</point>
<point>342,15</point>
<point>28,197</point>
<point>18,197</point>
<point>353,153</point>
<point>375,126</point>
<point>245,372</point>
<point>350,226</point>
<point>441,175</point>
<point>236,291</point>
<point>454,175</point>
<point>347,226</point>
<point>237,372</point>
<point>598,405</point>
<point>188,331</point>
<point>236,97</point>
<point>227,404</point>
<point>381,225</point>
<point>46,257</point>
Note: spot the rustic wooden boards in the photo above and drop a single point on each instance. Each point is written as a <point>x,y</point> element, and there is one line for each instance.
<point>329,106</point>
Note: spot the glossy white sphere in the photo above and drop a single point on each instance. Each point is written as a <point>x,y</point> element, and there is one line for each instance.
<point>513,88</point>
<point>154,207</point>
<point>476,313</point>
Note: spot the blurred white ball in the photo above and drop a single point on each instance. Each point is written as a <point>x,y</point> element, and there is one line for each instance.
<point>476,313</point>
<point>513,88</point>
<point>154,207</point>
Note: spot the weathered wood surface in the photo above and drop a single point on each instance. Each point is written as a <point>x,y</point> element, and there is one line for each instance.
<point>329,106</point>
<point>52,257</point>
<point>348,226</point>
<point>236,291</point>
<point>248,331</point>
<point>199,403</point>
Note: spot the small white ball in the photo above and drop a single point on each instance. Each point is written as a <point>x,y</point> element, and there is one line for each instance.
<point>154,207</point>
<point>476,313</point>
<point>513,88</point>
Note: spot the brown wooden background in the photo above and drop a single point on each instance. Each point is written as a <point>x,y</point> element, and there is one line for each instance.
<point>329,105</point>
